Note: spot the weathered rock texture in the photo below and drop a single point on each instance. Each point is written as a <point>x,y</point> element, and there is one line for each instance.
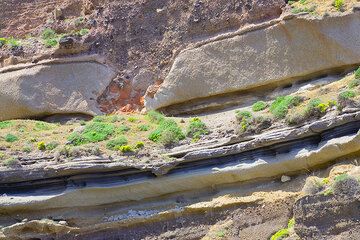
<point>57,88</point>
<point>139,37</point>
<point>270,53</point>
<point>328,217</point>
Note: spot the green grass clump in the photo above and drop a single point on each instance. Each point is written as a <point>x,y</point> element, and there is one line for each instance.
<point>338,4</point>
<point>244,118</point>
<point>144,127</point>
<point>347,95</point>
<point>84,31</point>
<point>13,43</point>
<point>93,132</point>
<point>259,106</point>
<point>11,138</point>
<point>284,232</point>
<point>48,33</point>
<point>49,43</point>
<point>155,117</point>
<point>132,119</point>
<point>280,107</point>
<point>50,38</point>
<point>51,145</point>
<point>122,129</point>
<point>42,126</point>
<point>6,124</point>
<point>116,143</point>
<point>354,83</point>
<point>196,129</point>
<point>10,162</point>
<point>341,177</point>
<point>357,73</point>
<point>168,132</point>
<point>303,10</point>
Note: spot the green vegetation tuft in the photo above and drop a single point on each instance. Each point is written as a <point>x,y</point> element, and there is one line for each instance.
<point>357,73</point>
<point>354,83</point>
<point>51,145</point>
<point>244,118</point>
<point>3,42</point>
<point>84,31</point>
<point>11,138</point>
<point>126,149</point>
<point>280,107</point>
<point>132,119</point>
<point>345,95</point>
<point>196,129</point>
<point>259,106</point>
<point>10,162</point>
<point>13,43</point>
<point>116,143</point>
<point>168,132</point>
<point>93,132</point>
<point>41,146</point>
<point>139,145</point>
<point>144,127</point>
<point>43,126</point>
<point>122,129</point>
<point>283,233</point>
<point>338,4</point>
<point>155,117</point>
<point>341,177</point>
<point>6,124</point>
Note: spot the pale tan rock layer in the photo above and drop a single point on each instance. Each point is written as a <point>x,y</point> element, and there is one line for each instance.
<point>53,89</point>
<point>282,52</point>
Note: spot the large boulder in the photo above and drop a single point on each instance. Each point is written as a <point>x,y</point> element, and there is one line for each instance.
<point>57,88</point>
<point>272,53</point>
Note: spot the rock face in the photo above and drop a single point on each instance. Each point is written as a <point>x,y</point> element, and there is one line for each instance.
<point>271,53</point>
<point>53,89</point>
<point>334,217</point>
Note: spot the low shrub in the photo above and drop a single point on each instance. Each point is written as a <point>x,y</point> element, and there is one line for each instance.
<point>51,145</point>
<point>354,83</point>
<point>155,117</point>
<point>126,149</point>
<point>144,127</point>
<point>80,151</point>
<point>259,106</point>
<point>338,4</point>
<point>122,129</point>
<point>48,33</point>
<point>280,107</point>
<point>27,149</point>
<point>11,138</point>
<point>93,132</point>
<point>296,118</point>
<point>139,145</point>
<point>316,108</point>
<point>196,129</point>
<point>49,43</point>
<point>116,143</point>
<point>244,118</point>
<point>168,132</point>
<point>345,95</point>
<point>41,146</point>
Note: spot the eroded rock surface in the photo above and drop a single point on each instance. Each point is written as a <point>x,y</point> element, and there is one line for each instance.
<point>57,88</point>
<point>270,53</point>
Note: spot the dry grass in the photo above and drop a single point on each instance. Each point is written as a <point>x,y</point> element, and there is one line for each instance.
<point>320,7</point>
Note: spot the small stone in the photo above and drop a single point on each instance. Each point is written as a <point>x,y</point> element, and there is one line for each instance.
<point>285,178</point>
<point>25,220</point>
<point>63,222</point>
